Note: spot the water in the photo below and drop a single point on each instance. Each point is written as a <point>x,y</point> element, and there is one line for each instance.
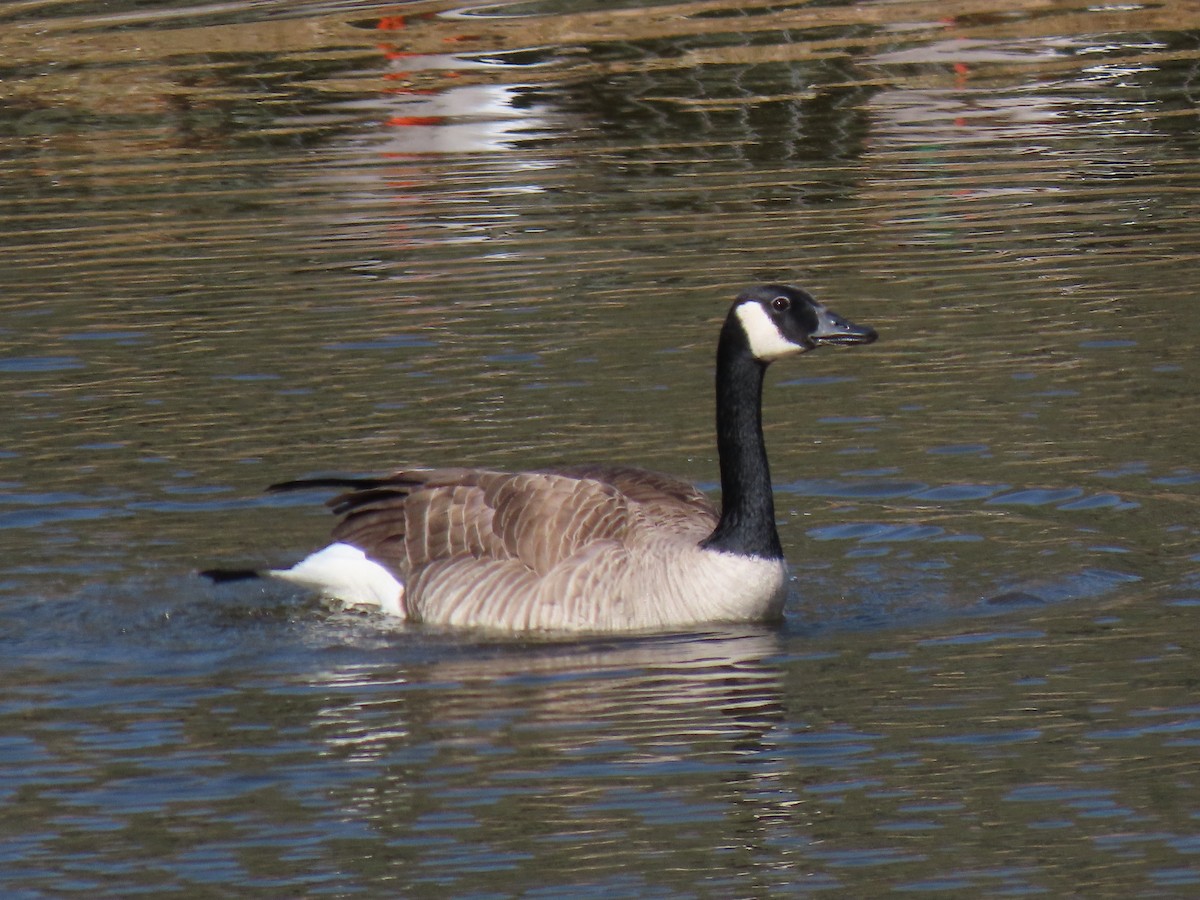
<point>246,242</point>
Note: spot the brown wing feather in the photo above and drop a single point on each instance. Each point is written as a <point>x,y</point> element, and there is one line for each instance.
<point>374,520</point>
<point>543,518</point>
<point>667,501</point>
<point>416,517</point>
<point>465,540</point>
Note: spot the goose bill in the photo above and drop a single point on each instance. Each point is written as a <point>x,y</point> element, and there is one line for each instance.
<point>834,330</point>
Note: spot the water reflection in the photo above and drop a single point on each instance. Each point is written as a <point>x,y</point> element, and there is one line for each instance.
<point>471,119</point>
<point>633,740</point>
<point>719,685</point>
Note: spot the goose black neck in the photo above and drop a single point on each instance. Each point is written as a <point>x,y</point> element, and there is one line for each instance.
<point>747,524</point>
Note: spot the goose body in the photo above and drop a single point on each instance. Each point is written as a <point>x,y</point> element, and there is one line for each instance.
<point>593,548</point>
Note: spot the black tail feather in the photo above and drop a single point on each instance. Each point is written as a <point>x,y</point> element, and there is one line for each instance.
<point>304,484</point>
<point>223,576</point>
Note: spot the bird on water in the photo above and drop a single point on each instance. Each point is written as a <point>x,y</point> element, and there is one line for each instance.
<point>591,548</point>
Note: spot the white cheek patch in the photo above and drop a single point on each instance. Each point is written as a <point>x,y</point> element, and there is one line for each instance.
<point>766,341</point>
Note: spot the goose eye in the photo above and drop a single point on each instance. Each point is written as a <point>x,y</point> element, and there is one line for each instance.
<point>781,304</point>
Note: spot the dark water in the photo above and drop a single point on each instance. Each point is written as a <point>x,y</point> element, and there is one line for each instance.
<point>245,242</point>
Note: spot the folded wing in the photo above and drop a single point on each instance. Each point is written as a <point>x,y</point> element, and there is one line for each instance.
<point>541,549</point>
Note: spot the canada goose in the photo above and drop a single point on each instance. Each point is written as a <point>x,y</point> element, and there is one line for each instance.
<point>593,548</point>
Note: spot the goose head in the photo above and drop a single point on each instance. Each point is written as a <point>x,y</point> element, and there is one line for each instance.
<point>779,320</point>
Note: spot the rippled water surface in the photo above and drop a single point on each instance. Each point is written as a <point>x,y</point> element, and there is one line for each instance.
<point>250,241</point>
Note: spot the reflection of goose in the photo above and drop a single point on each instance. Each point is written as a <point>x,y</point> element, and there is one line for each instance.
<point>720,687</point>
<point>553,755</point>
<point>585,549</point>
